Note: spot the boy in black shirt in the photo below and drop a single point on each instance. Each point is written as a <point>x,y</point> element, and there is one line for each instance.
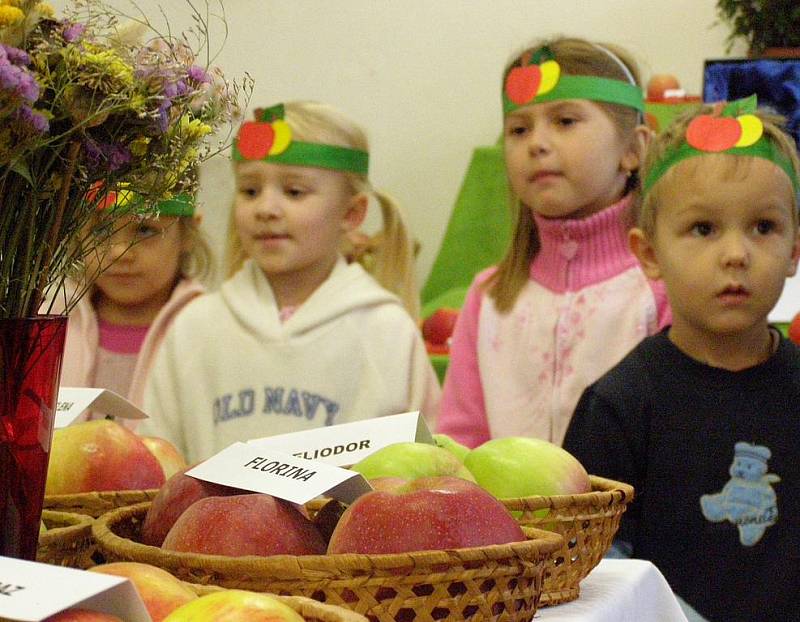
<point>703,418</point>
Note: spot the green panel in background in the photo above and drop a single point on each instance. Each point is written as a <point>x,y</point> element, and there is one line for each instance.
<point>477,233</point>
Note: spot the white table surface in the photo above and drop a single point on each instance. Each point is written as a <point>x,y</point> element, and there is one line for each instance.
<point>619,590</point>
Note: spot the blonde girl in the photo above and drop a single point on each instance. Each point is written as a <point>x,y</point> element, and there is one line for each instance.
<point>296,338</point>
<point>569,299</point>
<point>150,268</point>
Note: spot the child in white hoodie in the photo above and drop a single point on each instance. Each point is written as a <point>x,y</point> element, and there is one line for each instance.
<point>296,338</point>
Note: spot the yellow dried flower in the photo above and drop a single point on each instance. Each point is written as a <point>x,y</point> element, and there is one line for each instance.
<point>138,146</point>
<point>193,129</point>
<point>10,15</point>
<point>12,2</point>
<point>44,9</point>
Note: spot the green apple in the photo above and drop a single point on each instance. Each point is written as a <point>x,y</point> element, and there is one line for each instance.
<point>517,466</point>
<point>451,445</point>
<point>410,461</point>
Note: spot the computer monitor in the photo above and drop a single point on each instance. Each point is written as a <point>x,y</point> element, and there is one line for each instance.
<point>776,82</point>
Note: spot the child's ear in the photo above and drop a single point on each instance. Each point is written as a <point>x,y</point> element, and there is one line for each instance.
<point>634,157</point>
<point>356,212</point>
<point>645,252</point>
<point>792,270</point>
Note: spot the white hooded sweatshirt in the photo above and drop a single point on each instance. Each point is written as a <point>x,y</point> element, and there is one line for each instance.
<point>229,370</point>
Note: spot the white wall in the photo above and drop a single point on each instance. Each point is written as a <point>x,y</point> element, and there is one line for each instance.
<point>422,76</point>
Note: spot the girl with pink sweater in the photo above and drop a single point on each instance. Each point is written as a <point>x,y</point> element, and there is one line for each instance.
<point>150,268</point>
<point>569,299</point>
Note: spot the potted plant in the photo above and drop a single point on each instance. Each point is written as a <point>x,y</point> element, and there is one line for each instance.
<point>770,27</point>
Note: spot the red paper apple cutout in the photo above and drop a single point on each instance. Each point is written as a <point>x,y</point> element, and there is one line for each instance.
<point>427,514</point>
<point>660,83</point>
<point>522,83</point>
<point>255,139</point>
<point>438,327</point>
<point>160,591</point>
<point>175,496</point>
<point>253,524</point>
<point>794,329</point>
<point>713,134</point>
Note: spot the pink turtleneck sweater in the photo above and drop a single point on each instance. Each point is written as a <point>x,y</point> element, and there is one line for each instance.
<point>586,305</point>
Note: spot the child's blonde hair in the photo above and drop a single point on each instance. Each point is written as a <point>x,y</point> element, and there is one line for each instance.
<point>575,57</point>
<point>646,206</point>
<point>391,262</point>
<point>198,261</point>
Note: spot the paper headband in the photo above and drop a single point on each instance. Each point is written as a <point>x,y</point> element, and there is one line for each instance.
<point>538,79</point>
<point>732,129</point>
<point>126,201</point>
<point>270,140</point>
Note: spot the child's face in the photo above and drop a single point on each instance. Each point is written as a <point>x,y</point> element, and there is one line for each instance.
<point>565,159</point>
<point>723,244</point>
<point>146,256</point>
<point>291,219</point>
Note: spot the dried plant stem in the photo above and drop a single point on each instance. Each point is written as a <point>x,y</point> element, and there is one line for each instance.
<point>54,236</point>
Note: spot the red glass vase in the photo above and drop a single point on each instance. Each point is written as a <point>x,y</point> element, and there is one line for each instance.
<point>31,351</point>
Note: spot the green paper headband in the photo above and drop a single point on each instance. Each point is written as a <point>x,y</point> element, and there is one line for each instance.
<point>270,140</point>
<point>539,79</point>
<point>731,129</point>
<point>180,205</point>
<point>126,202</point>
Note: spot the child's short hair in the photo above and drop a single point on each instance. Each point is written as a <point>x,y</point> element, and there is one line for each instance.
<point>674,136</point>
<point>575,57</point>
<point>198,261</point>
<point>392,262</point>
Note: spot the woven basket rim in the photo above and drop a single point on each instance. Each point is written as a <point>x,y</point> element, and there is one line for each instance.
<point>78,497</point>
<point>288,566</point>
<point>605,493</point>
<point>74,524</point>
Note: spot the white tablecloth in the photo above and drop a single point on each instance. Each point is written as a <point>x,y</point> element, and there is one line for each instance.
<point>619,590</point>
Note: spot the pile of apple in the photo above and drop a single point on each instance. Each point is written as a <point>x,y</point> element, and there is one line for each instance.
<point>102,455</point>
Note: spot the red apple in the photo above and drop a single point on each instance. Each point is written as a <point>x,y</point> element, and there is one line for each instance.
<point>794,329</point>
<point>100,455</point>
<point>659,83</point>
<point>82,615</point>
<point>437,328</point>
<point>253,524</point>
<point>173,499</point>
<point>168,456</point>
<point>410,461</point>
<point>387,483</point>
<point>160,591</point>
<point>235,606</point>
<point>427,514</point>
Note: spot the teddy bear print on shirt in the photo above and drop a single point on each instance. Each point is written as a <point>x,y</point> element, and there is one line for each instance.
<point>747,500</point>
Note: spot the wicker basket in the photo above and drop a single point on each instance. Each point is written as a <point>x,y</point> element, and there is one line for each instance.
<point>68,540</point>
<point>310,609</point>
<point>587,522</point>
<point>95,504</point>
<point>498,582</point>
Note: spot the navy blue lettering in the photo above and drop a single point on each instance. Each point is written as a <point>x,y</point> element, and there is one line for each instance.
<point>292,406</point>
<point>273,400</point>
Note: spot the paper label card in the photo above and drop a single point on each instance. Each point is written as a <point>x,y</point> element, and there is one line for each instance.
<point>74,401</point>
<point>30,592</point>
<point>279,474</point>
<point>347,443</point>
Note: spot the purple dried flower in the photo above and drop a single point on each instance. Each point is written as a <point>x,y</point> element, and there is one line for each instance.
<point>73,31</point>
<point>105,155</point>
<point>17,80</point>
<point>35,120</point>
<point>198,74</point>
<point>14,55</point>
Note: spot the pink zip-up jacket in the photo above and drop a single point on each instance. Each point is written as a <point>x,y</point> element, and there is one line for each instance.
<point>586,305</point>
<point>83,337</point>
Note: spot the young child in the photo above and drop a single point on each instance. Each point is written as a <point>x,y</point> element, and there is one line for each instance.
<point>569,300</point>
<point>296,338</point>
<point>115,331</point>
<point>702,418</point>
